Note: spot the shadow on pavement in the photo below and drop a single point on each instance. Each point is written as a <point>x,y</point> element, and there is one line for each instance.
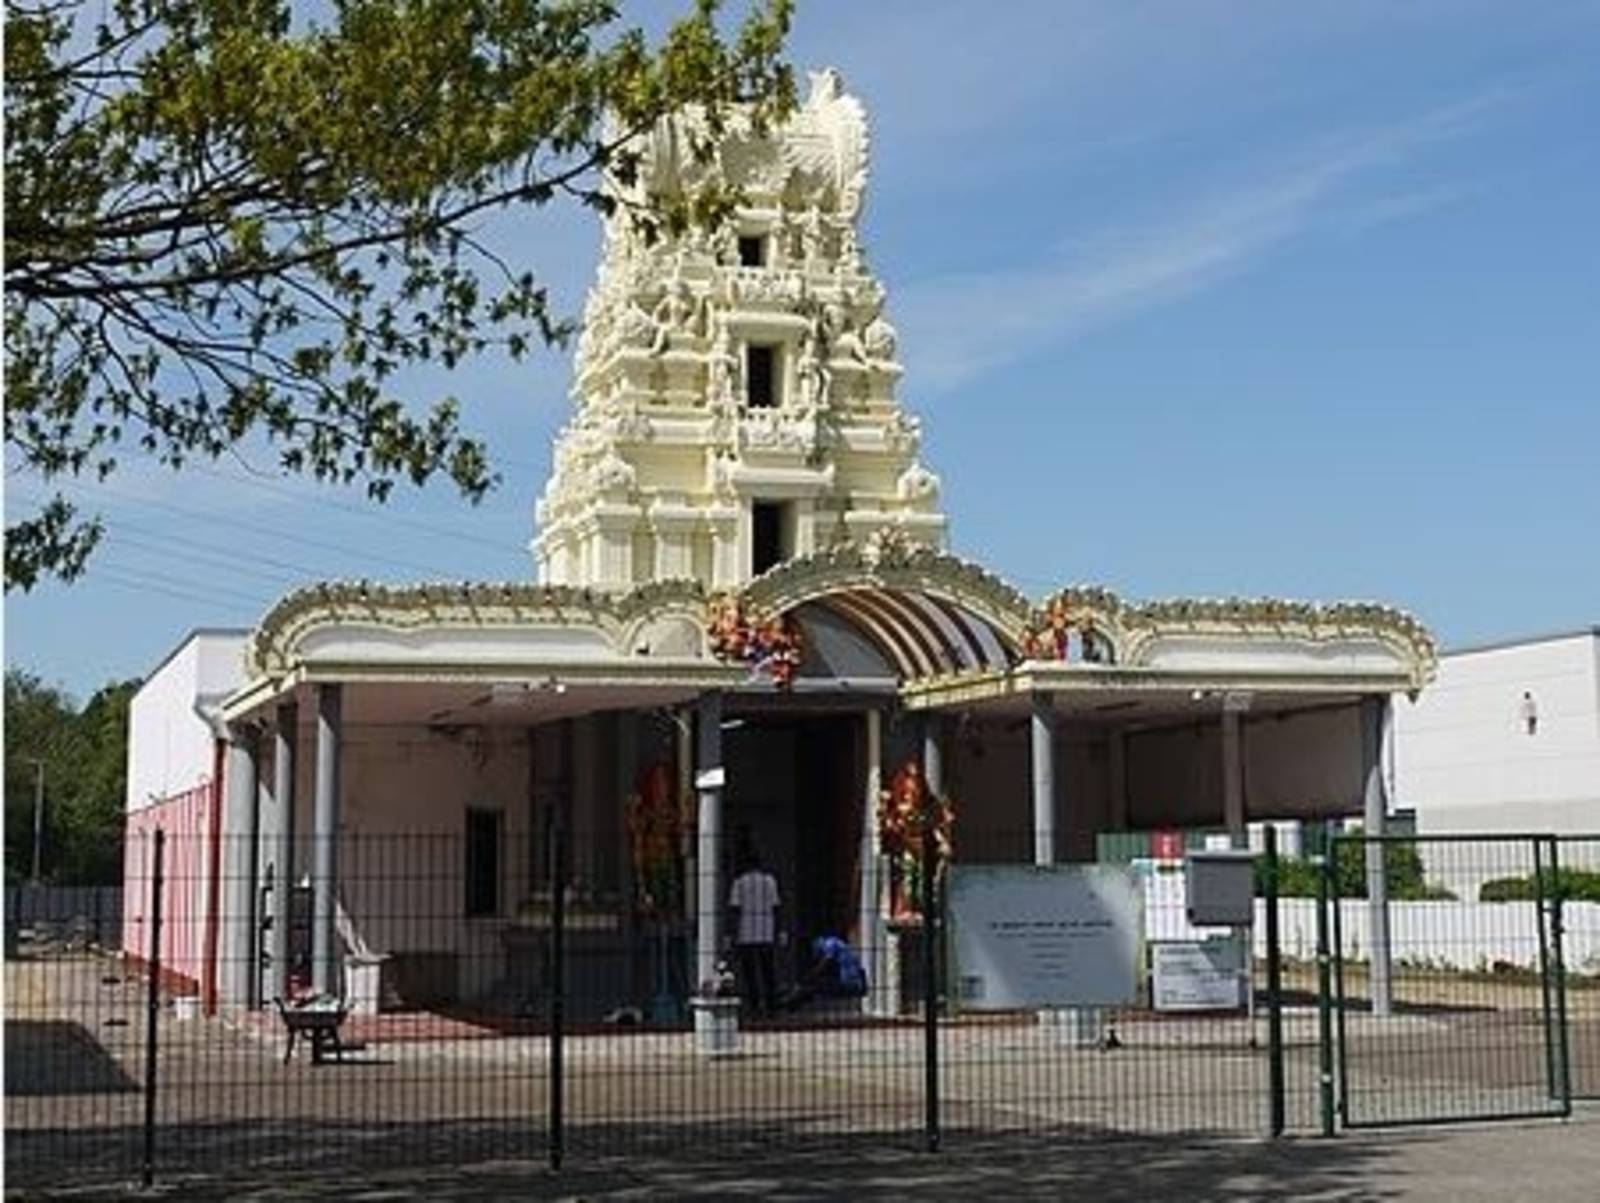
<point>56,1056</point>
<point>485,1161</point>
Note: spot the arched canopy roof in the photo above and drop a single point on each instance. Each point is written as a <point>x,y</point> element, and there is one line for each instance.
<point>916,634</point>
<point>926,614</point>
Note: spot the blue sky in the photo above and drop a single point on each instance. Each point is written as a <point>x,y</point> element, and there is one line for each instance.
<point>1195,298</point>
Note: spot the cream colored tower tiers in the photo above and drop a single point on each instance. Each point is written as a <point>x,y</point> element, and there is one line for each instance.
<point>735,389</point>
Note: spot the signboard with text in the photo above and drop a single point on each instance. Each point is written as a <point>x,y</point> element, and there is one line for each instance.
<point>1045,936</point>
<point>1197,975</point>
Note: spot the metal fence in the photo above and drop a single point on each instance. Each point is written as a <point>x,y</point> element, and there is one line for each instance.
<point>507,995</point>
<point>72,915</point>
<point>1467,987</point>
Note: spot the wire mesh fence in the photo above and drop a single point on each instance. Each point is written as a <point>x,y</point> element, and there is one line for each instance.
<point>490,994</point>
<point>1451,986</point>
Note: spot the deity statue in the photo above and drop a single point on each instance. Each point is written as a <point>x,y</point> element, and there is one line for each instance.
<point>675,313</point>
<point>723,372</point>
<point>816,379</point>
<point>842,336</point>
<point>880,339</point>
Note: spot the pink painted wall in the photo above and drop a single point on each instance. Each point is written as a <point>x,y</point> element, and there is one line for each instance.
<point>187,820</point>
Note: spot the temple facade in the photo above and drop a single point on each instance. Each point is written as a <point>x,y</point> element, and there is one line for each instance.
<point>744,628</point>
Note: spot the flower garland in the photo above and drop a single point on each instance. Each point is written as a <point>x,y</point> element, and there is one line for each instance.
<point>654,820</point>
<point>769,645</point>
<point>907,814</point>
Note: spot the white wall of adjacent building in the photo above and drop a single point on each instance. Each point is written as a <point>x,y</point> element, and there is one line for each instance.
<point>1467,758</point>
<point>170,745</point>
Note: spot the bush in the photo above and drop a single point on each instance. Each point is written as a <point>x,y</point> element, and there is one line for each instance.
<point>1403,865</point>
<point>1571,885</point>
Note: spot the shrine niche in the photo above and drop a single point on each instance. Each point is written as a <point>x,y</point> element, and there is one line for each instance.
<point>1075,626</point>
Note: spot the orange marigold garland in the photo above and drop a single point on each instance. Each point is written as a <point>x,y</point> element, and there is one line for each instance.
<point>904,819</point>
<point>654,838</point>
<point>770,645</point>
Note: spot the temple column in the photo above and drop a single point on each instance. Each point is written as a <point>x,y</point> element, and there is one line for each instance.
<point>283,770</point>
<point>240,832</point>
<point>1043,729</point>
<point>710,777</point>
<point>870,933</point>
<point>1376,714</point>
<point>1233,813</point>
<point>1117,772</point>
<point>932,756</point>
<point>325,977</point>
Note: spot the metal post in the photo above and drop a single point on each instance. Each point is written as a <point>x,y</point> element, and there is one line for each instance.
<point>1546,994</point>
<point>1557,934</point>
<point>1274,987</point>
<point>1324,1000</point>
<point>558,985</point>
<point>930,984</point>
<point>1341,1046</point>
<point>153,1010</point>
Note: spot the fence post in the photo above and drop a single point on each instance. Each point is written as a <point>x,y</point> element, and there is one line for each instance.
<point>1324,994</point>
<point>1274,988</point>
<point>558,986</point>
<point>152,1011</point>
<point>1546,1007</point>
<point>930,984</point>
<point>1558,953</point>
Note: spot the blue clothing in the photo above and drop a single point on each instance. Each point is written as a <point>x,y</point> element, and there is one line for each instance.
<point>839,968</point>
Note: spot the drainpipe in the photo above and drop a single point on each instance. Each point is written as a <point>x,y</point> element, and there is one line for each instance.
<point>205,708</point>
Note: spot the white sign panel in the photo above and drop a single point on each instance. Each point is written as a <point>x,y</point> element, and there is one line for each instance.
<point>1197,975</point>
<point>1047,936</point>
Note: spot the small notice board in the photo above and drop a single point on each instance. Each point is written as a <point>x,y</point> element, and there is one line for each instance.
<point>1045,936</point>
<point>1197,975</point>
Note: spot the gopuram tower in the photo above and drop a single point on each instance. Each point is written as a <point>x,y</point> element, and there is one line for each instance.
<point>735,388</point>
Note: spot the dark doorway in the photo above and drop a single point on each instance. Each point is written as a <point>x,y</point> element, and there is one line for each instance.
<point>761,376</point>
<point>794,786</point>
<point>767,542</point>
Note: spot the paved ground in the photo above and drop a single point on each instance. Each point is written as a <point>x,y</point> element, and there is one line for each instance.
<point>801,1114</point>
<point>1551,1162</point>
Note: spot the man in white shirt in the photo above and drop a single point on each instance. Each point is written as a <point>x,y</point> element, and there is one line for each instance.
<point>754,899</point>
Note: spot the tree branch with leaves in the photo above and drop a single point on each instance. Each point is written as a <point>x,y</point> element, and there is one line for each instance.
<point>224,221</point>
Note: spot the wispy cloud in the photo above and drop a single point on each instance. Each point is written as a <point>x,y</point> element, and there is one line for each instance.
<point>959,326</point>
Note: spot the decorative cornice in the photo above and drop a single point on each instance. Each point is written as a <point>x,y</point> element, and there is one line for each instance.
<point>273,648</point>
<point>891,561</point>
<point>1317,622</point>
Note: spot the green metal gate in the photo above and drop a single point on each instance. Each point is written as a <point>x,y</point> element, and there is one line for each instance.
<point>1448,990</point>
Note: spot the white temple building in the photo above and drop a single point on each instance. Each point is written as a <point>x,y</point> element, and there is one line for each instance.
<point>742,608</point>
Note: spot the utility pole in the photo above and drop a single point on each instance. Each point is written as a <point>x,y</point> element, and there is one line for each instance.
<point>38,814</point>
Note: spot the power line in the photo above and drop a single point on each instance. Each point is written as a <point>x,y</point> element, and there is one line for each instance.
<point>388,518</point>
<point>110,577</point>
<point>298,539</point>
<point>213,588</point>
<point>284,575</point>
